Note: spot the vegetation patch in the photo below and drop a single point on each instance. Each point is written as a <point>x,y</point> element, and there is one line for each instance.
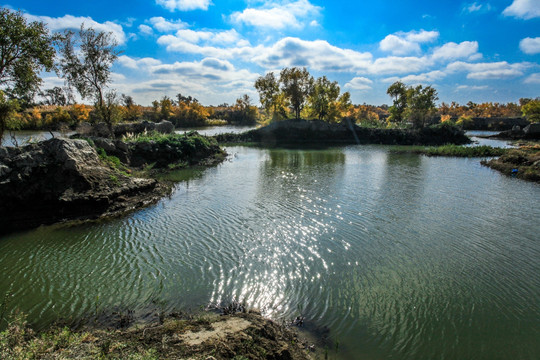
<point>245,335</point>
<point>452,150</point>
<point>523,163</point>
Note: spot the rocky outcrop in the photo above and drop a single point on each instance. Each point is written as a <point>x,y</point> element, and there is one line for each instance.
<point>529,132</point>
<point>102,130</point>
<point>314,132</point>
<point>61,179</point>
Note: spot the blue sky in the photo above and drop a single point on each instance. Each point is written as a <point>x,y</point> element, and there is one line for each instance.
<point>215,49</point>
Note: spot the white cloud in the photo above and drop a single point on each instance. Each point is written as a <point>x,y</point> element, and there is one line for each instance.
<point>145,29</point>
<point>451,50</point>
<point>163,25</point>
<point>483,71</point>
<point>523,9</point>
<point>475,7</point>
<point>359,83</point>
<point>211,80</point>
<point>317,55</point>
<point>278,16</point>
<point>472,87</point>
<point>184,5</point>
<point>137,64</point>
<point>406,43</point>
<point>70,22</point>
<point>425,78</point>
<point>399,65</point>
<point>530,45</point>
<point>533,79</point>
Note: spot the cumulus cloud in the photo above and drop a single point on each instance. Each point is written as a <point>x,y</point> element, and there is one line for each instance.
<point>70,22</point>
<point>451,50</point>
<point>425,78</point>
<point>403,43</point>
<point>145,29</point>
<point>163,25</point>
<point>359,83</point>
<point>137,64</point>
<point>533,79</point>
<point>530,45</point>
<point>184,5</point>
<point>318,55</point>
<point>278,16</point>
<point>486,71</point>
<point>523,9</point>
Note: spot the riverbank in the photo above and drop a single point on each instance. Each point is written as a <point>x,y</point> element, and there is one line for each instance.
<point>61,180</point>
<point>523,163</point>
<point>315,132</point>
<point>243,335</point>
<point>451,151</point>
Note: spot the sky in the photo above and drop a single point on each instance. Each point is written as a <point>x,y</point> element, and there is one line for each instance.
<point>214,50</point>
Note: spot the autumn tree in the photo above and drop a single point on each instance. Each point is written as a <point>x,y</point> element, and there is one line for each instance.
<point>531,110</point>
<point>26,48</point>
<point>296,84</point>
<point>397,91</point>
<point>87,57</point>
<point>244,112</point>
<point>420,104</point>
<point>323,98</point>
<point>269,93</point>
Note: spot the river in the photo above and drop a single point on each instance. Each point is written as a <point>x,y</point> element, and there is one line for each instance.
<point>399,256</point>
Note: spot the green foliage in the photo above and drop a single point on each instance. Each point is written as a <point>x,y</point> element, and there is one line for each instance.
<point>26,49</point>
<point>269,94</point>
<point>243,112</point>
<point>452,150</point>
<point>296,84</point>
<point>464,121</point>
<point>166,107</point>
<point>8,110</point>
<point>323,99</point>
<point>414,104</point>
<point>531,110</point>
<point>87,57</point>
<point>398,91</point>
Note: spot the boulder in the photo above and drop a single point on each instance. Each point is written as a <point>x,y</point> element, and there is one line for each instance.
<point>62,179</point>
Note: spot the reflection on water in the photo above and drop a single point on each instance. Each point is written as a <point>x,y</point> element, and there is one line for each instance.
<point>399,255</point>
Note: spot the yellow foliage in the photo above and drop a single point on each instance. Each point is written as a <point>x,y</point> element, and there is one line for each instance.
<point>80,112</point>
<point>445,118</point>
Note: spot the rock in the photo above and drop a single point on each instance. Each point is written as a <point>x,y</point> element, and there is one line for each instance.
<point>165,127</point>
<point>61,179</point>
<point>532,129</point>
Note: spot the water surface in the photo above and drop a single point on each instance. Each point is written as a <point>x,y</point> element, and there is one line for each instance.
<point>400,256</point>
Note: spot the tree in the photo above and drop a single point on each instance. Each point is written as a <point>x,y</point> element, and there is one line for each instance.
<point>87,57</point>
<point>398,91</point>
<point>25,50</point>
<point>268,88</point>
<point>296,84</point>
<point>323,97</point>
<point>243,112</point>
<point>56,96</point>
<point>420,104</point>
<point>531,110</point>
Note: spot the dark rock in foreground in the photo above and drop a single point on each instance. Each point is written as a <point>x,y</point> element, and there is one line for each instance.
<point>61,179</point>
<point>314,132</point>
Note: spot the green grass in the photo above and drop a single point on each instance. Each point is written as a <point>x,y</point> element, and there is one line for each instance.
<point>452,150</point>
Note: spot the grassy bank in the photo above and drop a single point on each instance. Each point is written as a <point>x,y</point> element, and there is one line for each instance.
<point>452,150</point>
<point>523,163</point>
<point>244,335</point>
